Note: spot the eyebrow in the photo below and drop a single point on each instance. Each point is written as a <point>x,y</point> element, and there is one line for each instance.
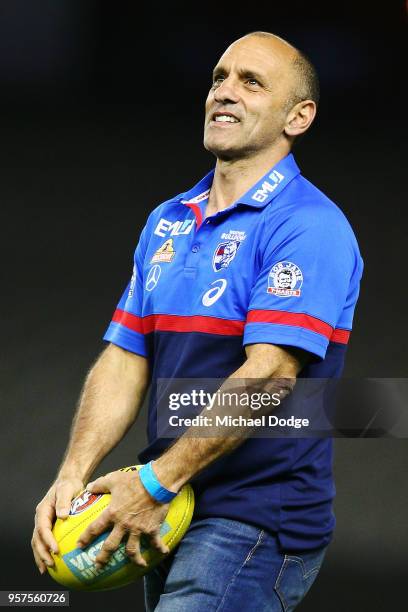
<point>245,72</point>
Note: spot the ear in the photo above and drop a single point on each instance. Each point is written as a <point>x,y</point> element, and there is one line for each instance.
<point>300,118</point>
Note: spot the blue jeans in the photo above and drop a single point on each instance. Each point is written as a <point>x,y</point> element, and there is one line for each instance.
<point>224,565</point>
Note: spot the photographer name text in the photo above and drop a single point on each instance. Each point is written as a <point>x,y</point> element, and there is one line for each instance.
<point>237,421</point>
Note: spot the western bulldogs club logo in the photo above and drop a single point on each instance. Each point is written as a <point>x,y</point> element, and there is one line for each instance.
<point>224,254</point>
<point>285,279</point>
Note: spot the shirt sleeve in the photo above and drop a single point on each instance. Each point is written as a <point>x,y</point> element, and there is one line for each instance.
<point>125,329</point>
<point>310,271</point>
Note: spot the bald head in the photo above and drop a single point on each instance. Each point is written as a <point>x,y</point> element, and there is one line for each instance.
<point>261,100</point>
<point>305,78</point>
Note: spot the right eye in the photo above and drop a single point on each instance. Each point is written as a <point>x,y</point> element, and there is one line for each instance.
<point>218,79</point>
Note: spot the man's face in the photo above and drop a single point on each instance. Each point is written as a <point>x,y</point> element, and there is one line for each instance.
<point>284,280</point>
<point>246,107</point>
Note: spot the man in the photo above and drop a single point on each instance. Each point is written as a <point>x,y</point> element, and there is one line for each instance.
<point>284,280</point>
<point>263,516</point>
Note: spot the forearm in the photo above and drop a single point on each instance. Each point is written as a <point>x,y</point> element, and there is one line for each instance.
<point>195,450</point>
<point>112,395</point>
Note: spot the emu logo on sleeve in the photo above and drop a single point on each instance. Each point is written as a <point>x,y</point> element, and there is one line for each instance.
<point>285,279</point>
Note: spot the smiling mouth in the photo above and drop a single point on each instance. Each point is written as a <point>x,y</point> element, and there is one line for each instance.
<point>224,119</point>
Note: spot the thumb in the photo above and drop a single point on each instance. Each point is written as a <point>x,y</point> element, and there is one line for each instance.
<point>63,502</point>
<point>100,485</point>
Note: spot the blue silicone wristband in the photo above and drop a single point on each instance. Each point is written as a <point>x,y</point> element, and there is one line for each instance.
<point>152,485</point>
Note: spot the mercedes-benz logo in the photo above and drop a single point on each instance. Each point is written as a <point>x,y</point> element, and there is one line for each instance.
<point>153,278</point>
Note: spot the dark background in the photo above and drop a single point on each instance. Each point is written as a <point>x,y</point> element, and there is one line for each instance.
<point>101,115</point>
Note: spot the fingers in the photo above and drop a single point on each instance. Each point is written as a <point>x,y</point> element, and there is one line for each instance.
<point>43,525</point>
<point>46,538</point>
<point>43,541</point>
<point>157,542</point>
<point>133,549</point>
<point>42,554</point>
<point>38,561</point>
<point>57,502</point>
<point>98,526</point>
<point>110,545</point>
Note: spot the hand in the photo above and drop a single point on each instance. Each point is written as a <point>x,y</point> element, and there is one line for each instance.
<point>55,503</point>
<point>131,512</point>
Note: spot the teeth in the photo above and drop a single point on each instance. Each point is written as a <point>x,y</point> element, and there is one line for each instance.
<point>226,118</point>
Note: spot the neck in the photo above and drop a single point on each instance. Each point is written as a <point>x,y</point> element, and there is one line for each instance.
<point>233,178</point>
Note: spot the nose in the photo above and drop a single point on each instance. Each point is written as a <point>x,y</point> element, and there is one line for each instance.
<point>227,91</point>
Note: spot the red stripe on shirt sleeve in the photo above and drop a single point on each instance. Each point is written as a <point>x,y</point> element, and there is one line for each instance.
<point>291,318</point>
<point>214,325</point>
<point>341,336</point>
<point>299,320</point>
<point>128,320</point>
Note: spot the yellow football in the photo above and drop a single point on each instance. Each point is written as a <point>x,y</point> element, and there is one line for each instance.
<point>75,567</point>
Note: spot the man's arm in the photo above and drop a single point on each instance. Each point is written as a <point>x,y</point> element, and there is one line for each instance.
<point>110,401</point>
<point>132,511</point>
<point>111,398</point>
<point>191,453</point>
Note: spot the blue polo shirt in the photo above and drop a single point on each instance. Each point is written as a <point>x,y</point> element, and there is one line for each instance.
<point>281,265</point>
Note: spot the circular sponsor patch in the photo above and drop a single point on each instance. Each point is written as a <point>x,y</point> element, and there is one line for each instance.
<point>285,279</point>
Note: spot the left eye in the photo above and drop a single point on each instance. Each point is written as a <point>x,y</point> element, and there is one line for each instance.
<point>252,82</point>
